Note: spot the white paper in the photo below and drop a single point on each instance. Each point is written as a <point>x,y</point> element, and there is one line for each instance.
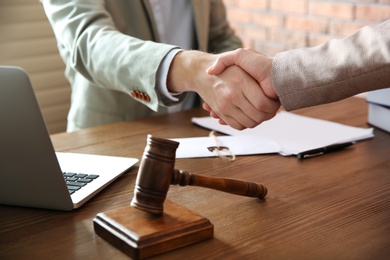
<point>195,147</point>
<point>294,133</point>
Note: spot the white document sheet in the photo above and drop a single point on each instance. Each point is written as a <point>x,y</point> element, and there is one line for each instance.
<point>293,133</point>
<point>238,145</point>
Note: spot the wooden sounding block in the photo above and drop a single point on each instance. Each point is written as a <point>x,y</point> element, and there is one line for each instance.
<point>141,234</point>
<point>153,225</point>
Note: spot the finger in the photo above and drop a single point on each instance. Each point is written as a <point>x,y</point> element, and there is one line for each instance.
<point>248,103</point>
<point>237,117</point>
<point>240,124</point>
<point>240,104</point>
<point>232,122</point>
<point>206,107</point>
<point>261,103</point>
<point>210,110</point>
<point>213,114</point>
<point>233,107</point>
<point>223,60</point>
<point>261,106</point>
<point>260,116</point>
<point>232,117</point>
<point>230,58</point>
<point>220,121</point>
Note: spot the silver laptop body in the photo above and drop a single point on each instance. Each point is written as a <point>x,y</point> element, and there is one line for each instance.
<point>31,173</point>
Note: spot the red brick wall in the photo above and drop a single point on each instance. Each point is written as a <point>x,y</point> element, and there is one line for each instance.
<point>271,26</point>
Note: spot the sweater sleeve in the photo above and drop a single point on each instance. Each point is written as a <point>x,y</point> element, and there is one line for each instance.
<point>335,70</point>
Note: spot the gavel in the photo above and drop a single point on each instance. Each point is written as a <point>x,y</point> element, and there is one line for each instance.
<point>156,173</point>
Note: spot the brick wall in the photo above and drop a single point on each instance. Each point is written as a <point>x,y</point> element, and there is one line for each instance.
<point>271,26</point>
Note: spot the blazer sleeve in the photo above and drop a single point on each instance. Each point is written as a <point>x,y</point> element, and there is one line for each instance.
<point>90,44</point>
<point>335,70</point>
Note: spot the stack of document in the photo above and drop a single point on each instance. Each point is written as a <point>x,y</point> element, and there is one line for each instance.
<point>379,108</point>
<point>286,134</point>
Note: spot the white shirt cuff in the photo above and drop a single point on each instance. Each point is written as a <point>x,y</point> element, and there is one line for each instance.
<point>166,97</point>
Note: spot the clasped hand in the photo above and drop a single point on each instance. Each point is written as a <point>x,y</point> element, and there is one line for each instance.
<point>259,67</point>
<point>237,88</point>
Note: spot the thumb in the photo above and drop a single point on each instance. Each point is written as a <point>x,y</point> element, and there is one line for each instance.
<point>220,64</point>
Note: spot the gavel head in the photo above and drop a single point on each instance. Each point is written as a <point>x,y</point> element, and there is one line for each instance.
<point>154,175</point>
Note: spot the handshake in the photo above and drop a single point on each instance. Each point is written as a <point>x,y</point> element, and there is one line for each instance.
<point>239,87</point>
<point>236,88</point>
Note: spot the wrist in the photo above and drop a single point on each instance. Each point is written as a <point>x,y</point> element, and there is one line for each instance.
<point>188,68</point>
<point>269,89</point>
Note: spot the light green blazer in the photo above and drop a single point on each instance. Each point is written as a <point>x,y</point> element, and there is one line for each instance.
<point>111,48</point>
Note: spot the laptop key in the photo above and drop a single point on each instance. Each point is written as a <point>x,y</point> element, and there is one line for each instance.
<point>71,179</point>
<point>92,176</point>
<point>85,180</point>
<point>80,175</point>
<point>73,188</point>
<point>69,174</point>
<point>74,183</point>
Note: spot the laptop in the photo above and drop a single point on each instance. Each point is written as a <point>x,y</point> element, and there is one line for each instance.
<point>32,174</point>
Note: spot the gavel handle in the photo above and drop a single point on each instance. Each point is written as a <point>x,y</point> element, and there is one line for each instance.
<point>238,187</point>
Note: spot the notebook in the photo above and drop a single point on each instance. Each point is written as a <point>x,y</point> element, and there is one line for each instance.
<point>31,172</point>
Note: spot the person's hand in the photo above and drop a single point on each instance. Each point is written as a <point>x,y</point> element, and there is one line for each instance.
<point>254,63</point>
<point>232,96</point>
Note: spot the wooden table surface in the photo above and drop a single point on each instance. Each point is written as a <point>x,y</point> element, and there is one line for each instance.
<point>335,206</point>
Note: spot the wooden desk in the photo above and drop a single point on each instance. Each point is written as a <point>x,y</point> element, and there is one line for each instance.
<point>335,206</point>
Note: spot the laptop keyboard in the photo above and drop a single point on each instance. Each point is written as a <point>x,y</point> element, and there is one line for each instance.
<point>76,181</point>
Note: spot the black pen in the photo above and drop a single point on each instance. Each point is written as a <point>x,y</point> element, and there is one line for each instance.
<point>323,150</point>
